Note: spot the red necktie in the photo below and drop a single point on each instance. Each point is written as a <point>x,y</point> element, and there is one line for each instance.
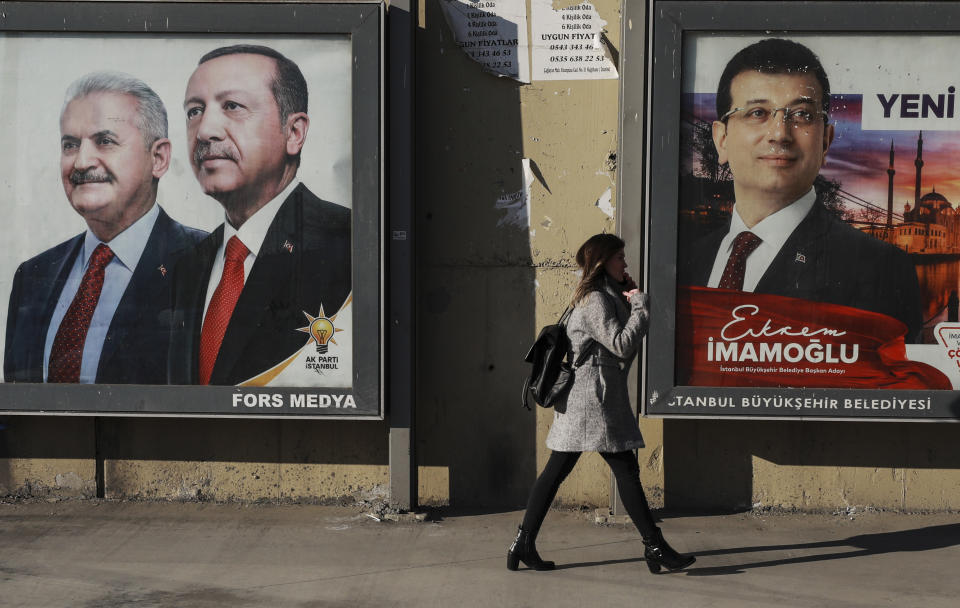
<point>66,354</point>
<point>221,306</point>
<point>743,246</point>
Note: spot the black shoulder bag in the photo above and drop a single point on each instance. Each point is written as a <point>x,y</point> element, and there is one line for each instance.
<point>551,374</point>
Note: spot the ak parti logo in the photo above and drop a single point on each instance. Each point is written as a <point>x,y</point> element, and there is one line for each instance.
<point>321,329</point>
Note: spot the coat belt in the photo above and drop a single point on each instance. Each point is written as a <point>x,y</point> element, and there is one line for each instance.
<point>598,360</point>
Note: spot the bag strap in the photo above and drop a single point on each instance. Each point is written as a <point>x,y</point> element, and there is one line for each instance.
<point>585,353</point>
<point>526,394</point>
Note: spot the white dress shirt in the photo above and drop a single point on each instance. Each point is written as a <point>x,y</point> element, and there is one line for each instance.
<point>773,230</point>
<point>127,248</point>
<point>251,234</point>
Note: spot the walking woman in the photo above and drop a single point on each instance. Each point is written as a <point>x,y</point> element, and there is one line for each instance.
<point>609,319</point>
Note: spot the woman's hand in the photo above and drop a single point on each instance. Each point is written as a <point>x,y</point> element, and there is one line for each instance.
<point>630,284</point>
<point>638,299</point>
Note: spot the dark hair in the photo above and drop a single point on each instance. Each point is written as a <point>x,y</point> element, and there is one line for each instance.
<point>591,258</point>
<point>772,56</point>
<point>289,86</point>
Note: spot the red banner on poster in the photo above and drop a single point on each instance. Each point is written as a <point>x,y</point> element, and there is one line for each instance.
<point>734,338</point>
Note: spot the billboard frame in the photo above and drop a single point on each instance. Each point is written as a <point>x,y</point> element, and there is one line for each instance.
<point>649,156</point>
<point>364,23</point>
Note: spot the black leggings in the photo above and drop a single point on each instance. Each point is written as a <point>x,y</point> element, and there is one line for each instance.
<point>625,470</point>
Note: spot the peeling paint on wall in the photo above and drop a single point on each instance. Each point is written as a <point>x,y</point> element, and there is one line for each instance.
<point>604,203</point>
<point>70,481</point>
<point>517,204</point>
<point>493,33</point>
<point>570,43</point>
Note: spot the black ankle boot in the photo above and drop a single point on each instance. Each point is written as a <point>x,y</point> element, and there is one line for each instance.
<point>658,553</point>
<point>524,550</point>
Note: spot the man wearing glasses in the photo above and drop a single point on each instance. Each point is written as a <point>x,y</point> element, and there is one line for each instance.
<point>774,130</point>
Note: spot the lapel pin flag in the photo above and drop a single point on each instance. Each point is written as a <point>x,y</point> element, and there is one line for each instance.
<point>802,259</point>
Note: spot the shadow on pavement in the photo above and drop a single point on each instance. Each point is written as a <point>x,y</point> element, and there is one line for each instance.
<point>920,539</point>
<point>604,562</point>
<point>440,513</point>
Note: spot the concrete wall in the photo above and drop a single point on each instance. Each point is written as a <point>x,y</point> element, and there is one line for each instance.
<point>488,285</point>
<point>168,458</point>
<point>485,286</point>
<point>720,464</point>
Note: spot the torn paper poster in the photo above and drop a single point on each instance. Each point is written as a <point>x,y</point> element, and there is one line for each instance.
<point>569,44</point>
<point>517,204</point>
<point>604,203</point>
<point>493,33</point>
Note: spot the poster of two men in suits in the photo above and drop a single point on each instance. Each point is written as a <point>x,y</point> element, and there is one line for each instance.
<point>177,210</point>
<point>818,222</point>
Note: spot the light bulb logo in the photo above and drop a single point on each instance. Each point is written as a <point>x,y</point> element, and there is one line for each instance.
<point>321,330</point>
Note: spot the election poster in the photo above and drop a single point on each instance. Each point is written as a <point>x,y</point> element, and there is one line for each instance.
<point>816,206</point>
<point>190,209</point>
<point>859,290</point>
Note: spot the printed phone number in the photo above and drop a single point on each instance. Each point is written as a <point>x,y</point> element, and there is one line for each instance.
<point>574,58</point>
<point>505,53</point>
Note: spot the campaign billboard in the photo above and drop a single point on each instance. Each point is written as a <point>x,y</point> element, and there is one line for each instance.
<point>193,208</point>
<point>803,206</point>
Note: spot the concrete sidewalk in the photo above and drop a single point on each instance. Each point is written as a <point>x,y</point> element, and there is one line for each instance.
<point>105,553</point>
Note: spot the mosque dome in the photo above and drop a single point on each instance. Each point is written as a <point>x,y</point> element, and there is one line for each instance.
<point>934,199</point>
<point>933,196</point>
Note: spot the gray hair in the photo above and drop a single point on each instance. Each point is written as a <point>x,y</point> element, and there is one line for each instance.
<point>152,115</point>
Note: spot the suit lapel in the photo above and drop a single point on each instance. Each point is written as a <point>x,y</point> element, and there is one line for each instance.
<point>53,282</point>
<point>58,277</point>
<point>270,280</point>
<point>702,256</point>
<point>799,258</point>
<point>145,286</point>
<point>196,277</point>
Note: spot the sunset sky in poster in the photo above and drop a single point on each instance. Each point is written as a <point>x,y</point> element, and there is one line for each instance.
<point>859,159</point>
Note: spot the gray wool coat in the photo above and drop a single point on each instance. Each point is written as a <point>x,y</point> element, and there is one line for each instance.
<point>596,414</point>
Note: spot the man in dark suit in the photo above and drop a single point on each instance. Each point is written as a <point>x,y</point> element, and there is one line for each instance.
<point>773,129</point>
<point>282,254</point>
<point>95,308</point>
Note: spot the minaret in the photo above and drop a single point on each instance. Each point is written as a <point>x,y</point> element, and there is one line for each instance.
<point>919,164</point>
<point>890,173</point>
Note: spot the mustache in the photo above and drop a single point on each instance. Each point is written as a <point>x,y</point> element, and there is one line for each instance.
<point>89,176</point>
<point>206,150</point>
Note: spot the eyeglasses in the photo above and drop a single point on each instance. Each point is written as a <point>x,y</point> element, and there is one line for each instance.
<point>759,115</point>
